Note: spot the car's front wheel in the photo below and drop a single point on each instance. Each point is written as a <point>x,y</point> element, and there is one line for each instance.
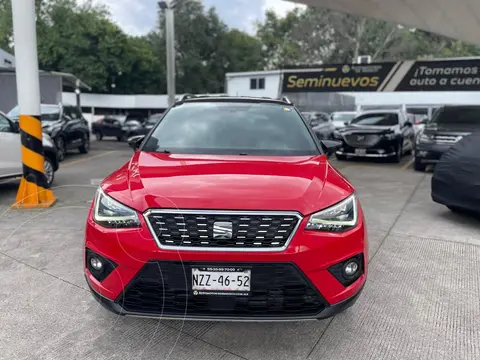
<point>85,147</point>
<point>49,171</point>
<point>61,146</point>
<point>418,166</point>
<point>398,154</point>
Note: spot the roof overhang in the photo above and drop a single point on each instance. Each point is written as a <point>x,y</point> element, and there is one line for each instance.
<point>459,19</point>
<point>68,79</point>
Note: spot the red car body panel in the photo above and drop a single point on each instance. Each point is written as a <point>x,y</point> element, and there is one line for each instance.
<point>304,184</point>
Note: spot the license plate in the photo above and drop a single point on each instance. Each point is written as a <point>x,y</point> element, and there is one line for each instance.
<point>360,152</point>
<point>221,281</point>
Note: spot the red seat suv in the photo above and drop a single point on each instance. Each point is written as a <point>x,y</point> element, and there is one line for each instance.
<point>228,210</point>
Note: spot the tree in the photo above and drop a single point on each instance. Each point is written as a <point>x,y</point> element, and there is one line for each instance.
<point>315,35</point>
<point>205,48</point>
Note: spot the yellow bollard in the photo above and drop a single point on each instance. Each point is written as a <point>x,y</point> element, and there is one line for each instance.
<point>34,191</point>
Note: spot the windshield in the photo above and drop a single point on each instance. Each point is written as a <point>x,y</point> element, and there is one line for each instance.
<point>465,115</point>
<point>343,117</point>
<point>48,112</point>
<point>376,119</point>
<point>232,129</point>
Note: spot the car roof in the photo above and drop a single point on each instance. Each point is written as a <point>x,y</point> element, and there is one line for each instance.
<point>380,111</point>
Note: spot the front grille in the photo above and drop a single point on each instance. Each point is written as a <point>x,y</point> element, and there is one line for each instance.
<point>361,140</point>
<point>277,289</point>
<point>447,139</point>
<point>222,230</point>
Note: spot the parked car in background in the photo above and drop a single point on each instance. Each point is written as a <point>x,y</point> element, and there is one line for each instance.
<point>108,126</point>
<point>11,152</point>
<point>455,179</point>
<point>65,124</point>
<point>418,122</point>
<point>320,123</point>
<point>340,118</point>
<point>377,134</point>
<point>448,125</point>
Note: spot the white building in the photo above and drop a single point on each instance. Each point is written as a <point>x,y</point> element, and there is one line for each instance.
<point>6,59</point>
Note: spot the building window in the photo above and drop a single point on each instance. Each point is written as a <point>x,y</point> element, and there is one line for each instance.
<point>257,83</point>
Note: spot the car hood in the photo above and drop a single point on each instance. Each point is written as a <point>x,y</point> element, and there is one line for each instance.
<point>451,129</point>
<point>48,125</point>
<point>365,129</point>
<point>149,180</point>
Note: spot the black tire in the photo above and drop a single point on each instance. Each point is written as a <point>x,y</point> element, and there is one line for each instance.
<point>120,138</point>
<point>98,136</point>
<point>85,147</point>
<point>398,154</point>
<point>418,166</point>
<point>49,170</point>
<point>61,145</point>
<point>341,157</point>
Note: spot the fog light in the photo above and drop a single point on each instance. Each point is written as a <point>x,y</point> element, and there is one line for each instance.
<point>350,268</point>
<point>96,263</point>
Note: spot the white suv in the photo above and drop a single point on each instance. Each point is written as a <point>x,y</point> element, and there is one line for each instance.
<point>11,152</point>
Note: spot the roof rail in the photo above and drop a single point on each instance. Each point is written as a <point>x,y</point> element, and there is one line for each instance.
<point>187,96</point>
<point>286,99</point>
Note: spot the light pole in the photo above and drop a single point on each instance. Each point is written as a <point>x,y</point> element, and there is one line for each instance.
<point>167,7</point>
<point>34,190</point>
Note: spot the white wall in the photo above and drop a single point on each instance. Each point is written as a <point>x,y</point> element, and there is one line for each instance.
<point>238,84</point>
<point>418,98</point>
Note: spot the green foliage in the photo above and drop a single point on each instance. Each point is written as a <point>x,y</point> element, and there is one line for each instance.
<point>319,35</point>
<point>82,39</point>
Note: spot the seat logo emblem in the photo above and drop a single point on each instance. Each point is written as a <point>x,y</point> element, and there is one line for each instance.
<point>360,137</point>
<point>222,230</point>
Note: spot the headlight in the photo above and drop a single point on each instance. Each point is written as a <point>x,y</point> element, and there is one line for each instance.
<point>337,218</point>
<point>424,138</point>
<point>47,140</point>
<point>390,136</point>
<point>112,214</point>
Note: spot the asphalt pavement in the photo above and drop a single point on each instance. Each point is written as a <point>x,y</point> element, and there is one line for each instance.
<point>421,300</point>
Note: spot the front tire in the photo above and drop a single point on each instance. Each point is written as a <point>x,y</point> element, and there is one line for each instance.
<point>85,147</point>
<point>398,154</point>
<point>61,146</point>
<point>49,171</point>
<point>418,166</point>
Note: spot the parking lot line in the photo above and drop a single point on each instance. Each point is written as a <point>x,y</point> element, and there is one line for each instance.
<point>408,165</point>
<point>87,158</point>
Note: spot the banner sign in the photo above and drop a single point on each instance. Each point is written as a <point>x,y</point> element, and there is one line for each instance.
<point>445,75</point>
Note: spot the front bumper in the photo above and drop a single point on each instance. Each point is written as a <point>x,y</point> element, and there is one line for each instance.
<point>327,312</point>
<point>430,153</point>
<point>382,149</point>
<point>307,262</point>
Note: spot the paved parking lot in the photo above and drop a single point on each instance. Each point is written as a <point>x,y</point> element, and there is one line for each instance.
<point>421,300</point>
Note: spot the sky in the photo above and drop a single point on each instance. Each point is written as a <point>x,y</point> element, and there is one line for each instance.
<point>138,17</point>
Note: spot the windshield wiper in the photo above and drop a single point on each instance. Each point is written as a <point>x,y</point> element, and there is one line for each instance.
<point>243,154</point>
<point>164,151</point>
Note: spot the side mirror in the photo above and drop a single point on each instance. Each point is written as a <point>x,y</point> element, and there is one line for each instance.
<point>15,127</point>
<point>424,120</point>
<point>135,141</point>
<point>330,146</point>
<point>346,122</point>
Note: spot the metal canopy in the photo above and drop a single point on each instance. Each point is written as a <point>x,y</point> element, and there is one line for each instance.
<point>459,19</point>
<point>67,78</point>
